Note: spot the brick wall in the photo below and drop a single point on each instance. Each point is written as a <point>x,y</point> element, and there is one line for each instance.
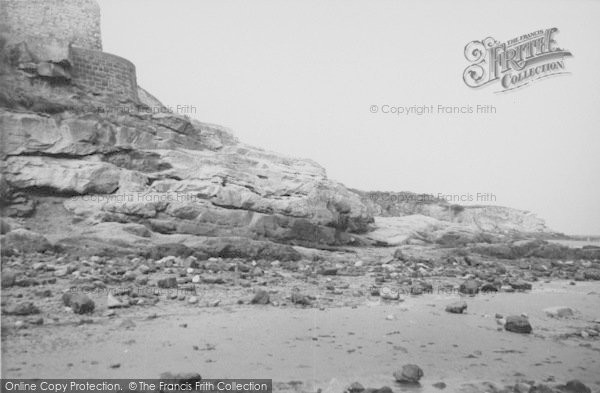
<point>104,73</point>
<point>49,26</point>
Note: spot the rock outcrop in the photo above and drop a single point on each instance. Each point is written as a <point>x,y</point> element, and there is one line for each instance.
<point>173,176</point>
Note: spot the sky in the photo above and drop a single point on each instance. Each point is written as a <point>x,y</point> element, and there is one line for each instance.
<point>301,77</point>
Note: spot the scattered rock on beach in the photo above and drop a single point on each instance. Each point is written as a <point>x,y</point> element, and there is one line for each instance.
<point>113,302</point>
<point>261,297</point>
<point>410,373</point>
<point>9,278</point>
<point>559,312</point>
<point>25,308</point>
<point>517,324</point>
<point>469,287</point>
<point>355,387</point>
<point>456,307</point>
<point>168,282</point>
<point>298,298</point>
<point>576,386</point>
<point>79,303</point>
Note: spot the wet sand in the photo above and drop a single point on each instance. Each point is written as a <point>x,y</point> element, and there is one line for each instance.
<point>329,348</point>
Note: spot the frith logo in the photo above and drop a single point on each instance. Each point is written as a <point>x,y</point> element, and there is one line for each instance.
<point>516,62</point>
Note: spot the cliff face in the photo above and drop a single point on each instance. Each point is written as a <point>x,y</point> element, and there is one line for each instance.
<point>127,172</point>
<point>410,218</point>
<point>498,219</point>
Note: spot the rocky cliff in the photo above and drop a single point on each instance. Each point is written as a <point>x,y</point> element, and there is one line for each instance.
<point>130,163</point>
<point>127,175</point>
<point>406,217</point>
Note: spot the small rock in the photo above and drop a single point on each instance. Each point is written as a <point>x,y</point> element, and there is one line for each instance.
<point>113,302</point>
<point>141,280</point>
<point>329,271</point>
<point>522,387</point>
<point>261,297</point>
<point>488,287</point>
<point>27,308</point>
<point>193,300</point>
<point>182,379</point>
<point>8,278</point>
<point>457,307</point>
<point>520,285</point>
<point>388,294</point>
<point>168,282</point>
<point>517,324</point>
<point>355,387</point>
<point>79,303</point>
<point>576,386</point>
<point>469,287</point>
<point>196,279</point>
<point>410,373</point>
<point>127,324</point>
<point>559,312</point>
<point>439,385</point>
<point>384,389</point>
<point>298,298</point>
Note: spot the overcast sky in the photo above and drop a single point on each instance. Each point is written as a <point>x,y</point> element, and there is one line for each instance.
<point>299,77</point>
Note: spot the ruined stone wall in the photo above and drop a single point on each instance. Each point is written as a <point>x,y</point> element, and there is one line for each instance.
<point>103,72</point>
<point>49,26</point>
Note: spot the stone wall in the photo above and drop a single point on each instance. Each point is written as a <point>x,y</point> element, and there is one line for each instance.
<point>103,73</point>
<point>49,26</point>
